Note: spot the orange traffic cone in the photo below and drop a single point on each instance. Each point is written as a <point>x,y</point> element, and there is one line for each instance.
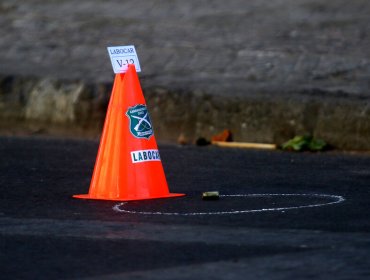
<point>128,165</point>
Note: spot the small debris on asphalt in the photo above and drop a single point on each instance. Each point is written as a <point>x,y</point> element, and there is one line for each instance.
<point>201,141</point>
<point>224,136</point>
<point>213,195</point>
<point>244,145</point>
<point>182,139</point>
<point>305,143</point>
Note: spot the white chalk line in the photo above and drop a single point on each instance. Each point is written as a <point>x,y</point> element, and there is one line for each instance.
<point>335,200</point>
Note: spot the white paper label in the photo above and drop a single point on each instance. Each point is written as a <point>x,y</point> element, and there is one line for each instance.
<point>145,155</point>
<point>122,56</point>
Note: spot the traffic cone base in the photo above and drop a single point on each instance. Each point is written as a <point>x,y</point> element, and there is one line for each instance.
<point>87,196</point>
<point>128,165</point>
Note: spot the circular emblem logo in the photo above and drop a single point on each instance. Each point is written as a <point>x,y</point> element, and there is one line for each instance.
<point>140,124</point>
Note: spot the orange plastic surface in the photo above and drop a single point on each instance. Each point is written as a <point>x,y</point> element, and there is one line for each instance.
<point>115,176</point>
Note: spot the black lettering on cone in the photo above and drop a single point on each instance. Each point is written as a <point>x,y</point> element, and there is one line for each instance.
<point>145,155</point>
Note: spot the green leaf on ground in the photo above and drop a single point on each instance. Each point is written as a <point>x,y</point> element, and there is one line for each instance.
<point>304,143</point>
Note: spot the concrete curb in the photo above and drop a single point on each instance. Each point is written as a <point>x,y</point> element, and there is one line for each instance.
<point>75,108</point>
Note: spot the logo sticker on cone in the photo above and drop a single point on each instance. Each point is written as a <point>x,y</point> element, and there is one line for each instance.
<point>140,125</point>
<point>128,165</point>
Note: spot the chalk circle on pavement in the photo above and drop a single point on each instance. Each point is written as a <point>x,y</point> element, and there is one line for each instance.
<point>236,204</point>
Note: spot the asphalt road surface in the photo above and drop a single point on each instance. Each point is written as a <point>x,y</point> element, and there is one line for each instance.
<point>280,216</point>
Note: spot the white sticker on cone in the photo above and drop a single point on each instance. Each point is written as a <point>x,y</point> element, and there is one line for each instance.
<point>145,155</point>
<point>122,56</point>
